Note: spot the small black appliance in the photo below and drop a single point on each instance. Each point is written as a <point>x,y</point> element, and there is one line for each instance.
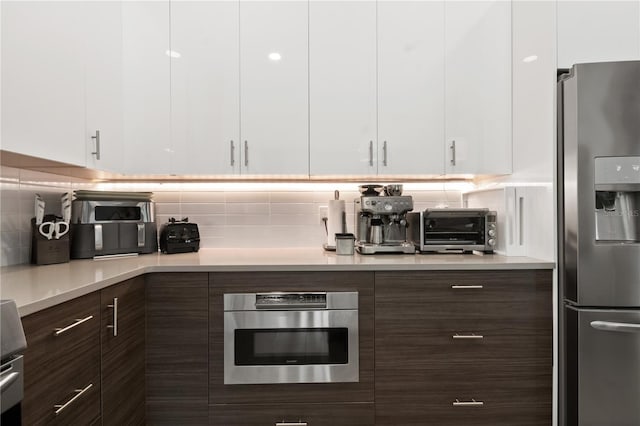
<point>179,236</point>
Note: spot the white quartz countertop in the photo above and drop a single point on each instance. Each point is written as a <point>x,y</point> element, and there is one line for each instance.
<point>38,287</point>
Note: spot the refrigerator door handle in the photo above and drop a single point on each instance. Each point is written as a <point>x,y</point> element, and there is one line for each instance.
<point>616,326</point>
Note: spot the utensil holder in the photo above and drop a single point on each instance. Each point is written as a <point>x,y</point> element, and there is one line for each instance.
<point>45,251</point>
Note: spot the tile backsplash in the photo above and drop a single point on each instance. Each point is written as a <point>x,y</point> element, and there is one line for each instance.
<point>228,215</point>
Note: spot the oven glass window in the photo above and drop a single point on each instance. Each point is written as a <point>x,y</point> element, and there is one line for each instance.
<point>291,346</point>
<point>455,229</point>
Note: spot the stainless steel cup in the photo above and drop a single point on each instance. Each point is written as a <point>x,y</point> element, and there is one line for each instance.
<point>345,244</point>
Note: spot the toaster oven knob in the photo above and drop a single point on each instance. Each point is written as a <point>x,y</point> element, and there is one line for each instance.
<point>491,242</point>
<point>492,233</point>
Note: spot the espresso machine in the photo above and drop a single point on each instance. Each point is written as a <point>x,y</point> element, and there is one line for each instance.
<point>381,223</point>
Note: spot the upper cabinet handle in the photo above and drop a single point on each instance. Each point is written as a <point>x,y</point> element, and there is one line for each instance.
<point>97,139</point>
<point>246,154</point>
<point>233,154</point>
<point>384,153</point>
<point>453,152</point>
<point>371,153</point>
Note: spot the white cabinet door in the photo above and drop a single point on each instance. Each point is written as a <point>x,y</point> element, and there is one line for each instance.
<point>478,87</point>
<point>274,87</point>
<point>146,87</point>
<point>410,87</point>
<point>205,92</point>
<point>43,101</point>
<point>104,119</point>
<point>342,87</point>
<point>597,31</point>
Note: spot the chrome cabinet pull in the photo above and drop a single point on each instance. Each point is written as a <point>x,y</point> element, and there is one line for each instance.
<point>60,330</point>
<point>298,423</point>
<point>371,153</point>
<point>453,152</point>
<point>61,407</point>
<point>384,153</point>
<point>114,327</point>
<point>97,139</point>
<point>246,154</point>
<point>621,327</point>
<point>468,336</point>
<point>466,287</point>
<point>472,403</point>
<point>233,154</point>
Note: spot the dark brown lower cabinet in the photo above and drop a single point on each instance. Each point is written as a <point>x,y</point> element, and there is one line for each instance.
<point>348,414</point>
<point>177,349</point>
<point>123,353</point>
<point>62,364</point>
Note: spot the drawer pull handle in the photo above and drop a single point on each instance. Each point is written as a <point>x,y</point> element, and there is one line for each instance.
<point>298,423</point>
<point>472,403</point>
<point>114,327</point>
<point>468,336</point>
<point>78,321</point>
<point>61,407</point>
<point>466,287</point>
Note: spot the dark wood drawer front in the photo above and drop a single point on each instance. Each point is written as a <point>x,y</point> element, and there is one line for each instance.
<point>459,341</point>
<point>504,295</point>
<point>495,415</point>
<point>354,414</point>
<point>177,356</point>
<point>221,283</point>
<point>57,366</point>
<point>440,385</point>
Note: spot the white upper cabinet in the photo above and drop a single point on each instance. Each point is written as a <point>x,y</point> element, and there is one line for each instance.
<point>410,87</point>
<point>342,87</point>
<point>478,87</point>
<point>274,84</point>
<point>43,97</point>
<point>205,91</point>
<point>104,120</point>
<point>598,31</point>
<point>146,87</point>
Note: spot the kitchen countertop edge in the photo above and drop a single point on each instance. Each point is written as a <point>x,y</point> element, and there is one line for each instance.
<point>31,295</point>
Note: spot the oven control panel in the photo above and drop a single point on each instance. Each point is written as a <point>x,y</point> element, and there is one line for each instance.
<point>291,300</point>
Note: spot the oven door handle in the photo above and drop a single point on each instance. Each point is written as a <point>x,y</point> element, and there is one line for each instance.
<point>7,381</point>
<point>290,307</point>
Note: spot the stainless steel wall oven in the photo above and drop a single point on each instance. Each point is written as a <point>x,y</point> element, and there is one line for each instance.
<point>309,337</point>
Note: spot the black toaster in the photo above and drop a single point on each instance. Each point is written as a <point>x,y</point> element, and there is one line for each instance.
<point>179,236</point>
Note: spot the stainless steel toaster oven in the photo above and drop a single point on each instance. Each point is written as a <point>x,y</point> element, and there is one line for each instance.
<point>453,230</point>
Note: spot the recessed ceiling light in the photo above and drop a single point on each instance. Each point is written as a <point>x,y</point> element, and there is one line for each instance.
<point>530,58</point>
<point>172,54</point>
<point>275,56</point>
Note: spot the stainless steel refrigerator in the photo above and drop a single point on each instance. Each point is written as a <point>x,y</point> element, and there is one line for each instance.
<point>599,244</point>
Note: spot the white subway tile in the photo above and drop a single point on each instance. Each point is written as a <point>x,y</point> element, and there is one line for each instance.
<point>203,197</point>
<point>172,209</point>
<point>248,220</point>
<point>208,220</point>
<point>166,196</point>
<point>204,208</point>
<point>293,197</point>
<point>294,219</point>
<point>295,208</point>
<point>246,197</point>
<point>234,209</point>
